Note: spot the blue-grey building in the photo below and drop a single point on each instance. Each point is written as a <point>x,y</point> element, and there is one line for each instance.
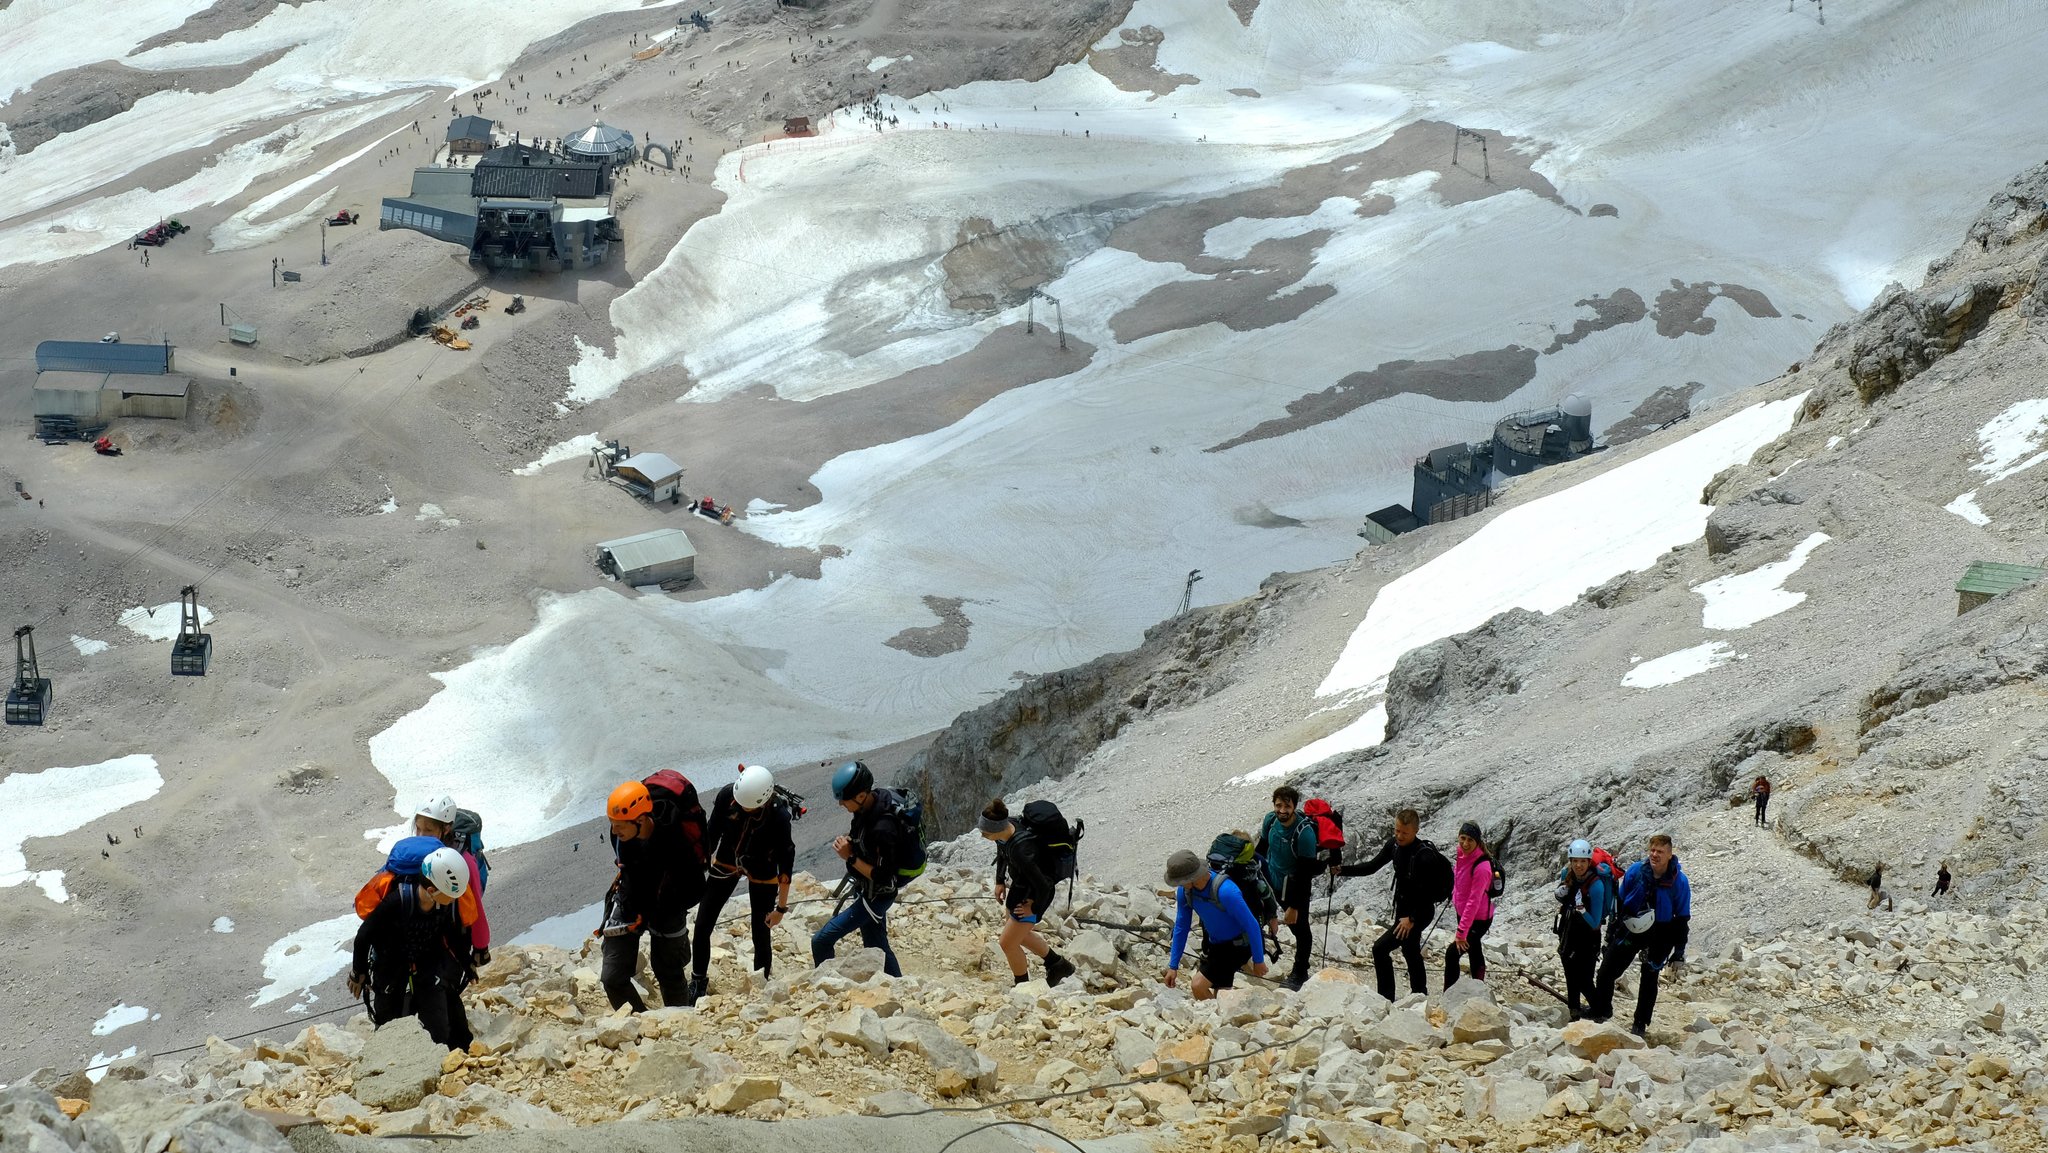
<point>521,207</point>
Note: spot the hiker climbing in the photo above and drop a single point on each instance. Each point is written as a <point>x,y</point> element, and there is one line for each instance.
<point>1585,898</point>
<point>883,849</point>
<point>748,837</point>
<point>1422,881</point>
<point>1655,920</point>
<point>1941,880</point>
<point>462,830</point>
<point>1475,883</point>
<point>1230,933</point>
<point>412,949</point>
<point>1879,895</point>
<point>1287,838</point>
<point>1760,792</point>
<point>657,835</point>
<point>1030,864</point>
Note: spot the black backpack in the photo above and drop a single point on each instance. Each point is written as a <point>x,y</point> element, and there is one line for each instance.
<point>1431,874</point>
<point>1238,859</point>
<point>1059,843</point>
<point>1498,886</point>
<point>791,803</point>
<point>909,812</point>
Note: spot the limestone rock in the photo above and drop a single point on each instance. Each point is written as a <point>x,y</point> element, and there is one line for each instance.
<point>483,1103</point>
<point>894,1101</point>
<point>1404,1029</point>
<point>741,1092</point>
<point>858,966</point>
<point>662,1070</point>
<point>1842,1068</point>
<point>1588,1040</point>
<point>1366,1137</point>
<point>941,1050</point>
<point>1478,1020</point>
<point>1091,950</point>
<point>1510,1099</point>
<point>1170,1102</point>
<point>1130,1049</point>
<point>862,1028</point>
<point>399,1064</point>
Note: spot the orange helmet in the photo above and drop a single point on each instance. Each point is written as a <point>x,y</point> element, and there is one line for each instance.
<point>629,802</point>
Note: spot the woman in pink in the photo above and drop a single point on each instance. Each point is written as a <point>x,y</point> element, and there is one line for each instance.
<point>436,819</point>
<point>1472,879</point>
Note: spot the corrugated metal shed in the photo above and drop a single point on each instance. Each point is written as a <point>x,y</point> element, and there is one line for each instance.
<point>652,466</point>
<point>1985,579</point>
<point>516,170</point>
<point>650,557</point>
<point>104,396</point>
<point>470,128</point>
<point>92,356</point>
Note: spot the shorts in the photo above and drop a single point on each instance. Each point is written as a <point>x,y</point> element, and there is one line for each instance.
<point>1222,959</point>
<point>1040,902</point>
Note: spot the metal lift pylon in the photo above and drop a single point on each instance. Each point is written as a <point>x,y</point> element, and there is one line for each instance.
<point>194,649</point>
<point>28,701</point>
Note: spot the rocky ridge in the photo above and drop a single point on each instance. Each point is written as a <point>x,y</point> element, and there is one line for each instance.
<point>1844,1037</point>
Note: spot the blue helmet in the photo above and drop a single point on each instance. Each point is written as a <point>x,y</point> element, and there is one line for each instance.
<point>851,780</point>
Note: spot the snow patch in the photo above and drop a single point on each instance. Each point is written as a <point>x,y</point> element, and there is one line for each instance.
<point>2008,439</point>
<point>569,449</point>
<point>1741,600</point>
<point>436,512</point>
<point>567,931</point>
<point>119,1017</point>
<point>301,960</point>
<point>1675,667</point>
<point>86,646</point>
<point>96,1069</point>
<point>162,622</point>
<point>1965,506</point>
<point>1543,554</point>
<point>1363,733</point>
<point>223,924</point>
<point>881,62</point>
<point>62,800</point>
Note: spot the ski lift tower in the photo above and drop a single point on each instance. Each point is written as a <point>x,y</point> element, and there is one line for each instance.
<point>1031,318</point>
<point>193,650</point>
<point>29,700</point>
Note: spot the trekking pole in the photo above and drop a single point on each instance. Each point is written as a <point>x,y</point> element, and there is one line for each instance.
<point>1329,915</point>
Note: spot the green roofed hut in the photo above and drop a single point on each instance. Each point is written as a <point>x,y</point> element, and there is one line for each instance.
<point>1985,579</point>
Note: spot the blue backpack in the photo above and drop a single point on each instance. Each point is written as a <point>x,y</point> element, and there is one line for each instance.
<point>409,856</point>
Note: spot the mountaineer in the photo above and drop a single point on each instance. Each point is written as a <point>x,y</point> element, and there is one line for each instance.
<point>1655,921</point>
<point>1879,895</point>
<point>1288,841</point>
<point>440,819</point>
<point>1760,792</point>
<point>1422,881</point>
<point>1941,880</point>
<point>883,849</point>
<point>749,837</point>
<point>1472,892</point>
<point>1230,933</point>
<point>412,950</point>
<point>657,839</point>
<point>1025,883</point>
<point>1585,898</point>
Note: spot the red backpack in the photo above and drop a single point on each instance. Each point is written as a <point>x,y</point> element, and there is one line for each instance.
<point>675,799</point>
<point>1329,827</point>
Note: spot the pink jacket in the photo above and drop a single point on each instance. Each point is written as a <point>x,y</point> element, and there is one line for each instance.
<point>480,929</point>
<point>1472,875</point>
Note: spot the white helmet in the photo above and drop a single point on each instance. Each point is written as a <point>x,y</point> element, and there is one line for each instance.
<point>445,869</point>
<point>1641,922</point>
<point>755,786</point>
<point>440,809</point>
<point>1581,850</point>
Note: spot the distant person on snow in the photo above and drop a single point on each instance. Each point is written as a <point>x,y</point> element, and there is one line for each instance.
<point>749,837</point>
<point>1422,880</point>
<point>882,848</point>
<point>1024,887</point>
<point>1231,936</point>
<point>1287,839</point>
<point>1472,901</point>
<point>1656,921</point>
<point>1585,898</point>
<point>657,839</point>
<point>412,951</point>
<point>439,819</point>
<point>1941,880</point>
<point>1760,792</point>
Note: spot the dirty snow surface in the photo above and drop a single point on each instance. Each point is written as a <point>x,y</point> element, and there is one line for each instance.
<point>1672,668</point>
<point>160,622</point>
<point>119,1017</point>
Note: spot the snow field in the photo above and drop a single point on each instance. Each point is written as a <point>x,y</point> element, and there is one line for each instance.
<point>96,1068</point>
<point>62,800</point>
<point>1965,506</point>
<point>119,1017</point>
<point>1741,600</point>
<point>160,623</point>
<point>1672,668</point>
<point>567,931</point>
<point>88,647</point>
<point>299,961</point>
<point>569,449</point>
<point>2009,441</point>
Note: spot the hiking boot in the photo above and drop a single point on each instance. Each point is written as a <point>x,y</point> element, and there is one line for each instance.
<point>699,986</point>
<point>1639,1031</point>
<point>1292,983</point>
<point>1057,969</point>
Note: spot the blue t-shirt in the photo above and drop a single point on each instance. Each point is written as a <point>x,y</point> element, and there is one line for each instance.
<point>1225,917</point>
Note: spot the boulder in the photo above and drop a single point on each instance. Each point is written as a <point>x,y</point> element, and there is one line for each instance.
<point>662,1070</point>
<point>1170,1102</point>
<point>861,1028</point>
<point>481,1103</point>
<point>1407,1029</point>
<point>1842,1068</point>
<point>399,1065</point>
<point>1091,951</point>
<point>1365,1137</point>
<point>1176,1057</point>
<point>340,1109</point>
<point>330,1044</point>
<point>1478,1020</point>
<point>894,1101</point>
<point>1510,1099</point>
<point>1589,1040</point>
<point>941,1050</point>
<point>739,1093</point>
<point>1130,1048</point>
<point>858,966</point>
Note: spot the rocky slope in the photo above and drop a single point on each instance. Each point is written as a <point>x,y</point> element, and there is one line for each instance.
<point>1858,1034</point>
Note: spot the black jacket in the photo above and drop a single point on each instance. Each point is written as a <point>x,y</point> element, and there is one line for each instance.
<point>877,836</point>
<point>1408,900</point>
<point>661,876</point>
<point>758,844</point>
<point>408,938</point>
<point>1018,866</point>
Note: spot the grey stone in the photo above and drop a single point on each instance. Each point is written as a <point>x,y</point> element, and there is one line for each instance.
<point>1091,950</point>
<point>857,966</point>
<point>664,1070</point>
<point>1478,1020</point>
<point>860,1027</point>
<point>940,1049</point>
<point>1130,1048</point>
<point>1842,1068</point>
<point>399,1065</point>
<point>1403,1029</point>
<point>1365,1137</point>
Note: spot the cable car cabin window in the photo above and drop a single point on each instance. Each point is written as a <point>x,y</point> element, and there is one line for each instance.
<point>517,217</point>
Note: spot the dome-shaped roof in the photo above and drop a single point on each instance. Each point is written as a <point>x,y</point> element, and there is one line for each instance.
<point>600,139</point>
<point>1576,405</point>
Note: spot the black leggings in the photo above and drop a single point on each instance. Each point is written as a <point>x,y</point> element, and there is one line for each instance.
<point>1452,954</point>
<point>434,997</point>
<point>761,902</point>
<point>1763,802</point>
